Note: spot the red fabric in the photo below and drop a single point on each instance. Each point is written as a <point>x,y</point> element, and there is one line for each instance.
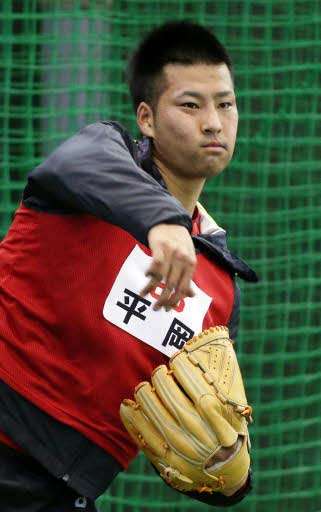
<point>56,348</point>
<point>6,440</point>
<point>196,222</point>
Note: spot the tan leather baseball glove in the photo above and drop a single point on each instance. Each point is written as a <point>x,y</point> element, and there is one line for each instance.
<point>191,420</point>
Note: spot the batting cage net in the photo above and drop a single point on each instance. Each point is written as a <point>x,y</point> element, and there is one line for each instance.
<point>62,66</point>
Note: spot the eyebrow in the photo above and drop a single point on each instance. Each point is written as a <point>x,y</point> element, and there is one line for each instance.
<point>194,94</point>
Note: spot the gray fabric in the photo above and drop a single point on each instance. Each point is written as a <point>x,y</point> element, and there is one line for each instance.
<point>94,172</point>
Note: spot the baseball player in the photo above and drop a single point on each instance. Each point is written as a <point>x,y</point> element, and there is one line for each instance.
<point>114,280</point>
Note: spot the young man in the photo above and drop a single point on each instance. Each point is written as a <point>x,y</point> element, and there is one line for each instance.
<point>101,250</point>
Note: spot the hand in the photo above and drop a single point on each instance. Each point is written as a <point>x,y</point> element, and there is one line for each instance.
<point>174,263</point>
<point>222,455</point>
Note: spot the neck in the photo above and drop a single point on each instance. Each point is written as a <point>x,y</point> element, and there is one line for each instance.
<point>187,191</point>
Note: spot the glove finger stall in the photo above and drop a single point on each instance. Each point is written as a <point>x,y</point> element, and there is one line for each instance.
<point>141,429</point>
<point>183,410</point>
<point>172,432</point>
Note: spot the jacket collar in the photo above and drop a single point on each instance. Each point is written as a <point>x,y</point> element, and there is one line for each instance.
<point>212,239</point>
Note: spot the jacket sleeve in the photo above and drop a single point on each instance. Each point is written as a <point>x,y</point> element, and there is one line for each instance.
<point>234,321</point>
<point>94,172</point>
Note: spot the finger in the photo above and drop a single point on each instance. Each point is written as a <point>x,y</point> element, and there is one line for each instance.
<point>177,296</point>
<point>169,299</point>
<point>178,281</point>
<point>158,269</point>
<point>160,264</point>
<point>173,301</point>
<point>184,287</point>
<point>171,281</point>
<point>174,275</point>
<point>163,298</point>
<point>155,279</point>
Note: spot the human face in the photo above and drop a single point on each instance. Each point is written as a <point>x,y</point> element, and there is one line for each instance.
<point>195,123</point>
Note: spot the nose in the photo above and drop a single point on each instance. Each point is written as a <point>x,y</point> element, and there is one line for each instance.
<point>211,122</point>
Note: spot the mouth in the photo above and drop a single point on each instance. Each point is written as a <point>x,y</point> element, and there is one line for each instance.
<point>215,145</point>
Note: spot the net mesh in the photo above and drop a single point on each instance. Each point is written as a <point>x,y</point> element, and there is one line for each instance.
<point>62,66</point>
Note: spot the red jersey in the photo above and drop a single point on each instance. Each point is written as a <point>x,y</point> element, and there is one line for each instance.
<point>75,336</point>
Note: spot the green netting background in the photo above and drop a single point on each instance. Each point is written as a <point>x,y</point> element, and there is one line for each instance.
<point>62,67</point>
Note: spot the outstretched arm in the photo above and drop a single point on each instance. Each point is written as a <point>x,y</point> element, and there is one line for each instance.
<point>94,172</point>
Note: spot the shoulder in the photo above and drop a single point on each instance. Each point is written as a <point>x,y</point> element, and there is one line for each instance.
<point>112,130</point>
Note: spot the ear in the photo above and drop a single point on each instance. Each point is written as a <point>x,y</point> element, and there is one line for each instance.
<point>145,119</point>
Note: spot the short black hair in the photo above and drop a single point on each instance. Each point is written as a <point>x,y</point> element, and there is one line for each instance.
<point>176,42</point>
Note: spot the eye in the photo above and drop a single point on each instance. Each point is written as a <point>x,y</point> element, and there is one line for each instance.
<point>190,104</point>
<point>226,105</point>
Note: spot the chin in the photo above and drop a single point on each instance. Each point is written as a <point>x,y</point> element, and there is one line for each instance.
<point>213,169</point>
<point>211,173</point>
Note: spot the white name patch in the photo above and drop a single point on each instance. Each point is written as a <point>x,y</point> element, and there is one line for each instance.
<point>165,331</point>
